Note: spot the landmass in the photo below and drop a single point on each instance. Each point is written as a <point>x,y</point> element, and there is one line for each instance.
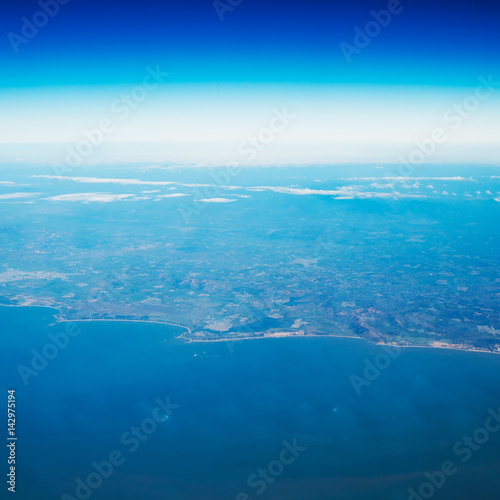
<point>417,266</point>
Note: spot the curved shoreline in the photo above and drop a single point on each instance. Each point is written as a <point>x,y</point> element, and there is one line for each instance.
<point>276,335</point>
<point>447,347</point>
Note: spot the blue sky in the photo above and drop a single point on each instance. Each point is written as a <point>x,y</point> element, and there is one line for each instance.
<point>225,77</point>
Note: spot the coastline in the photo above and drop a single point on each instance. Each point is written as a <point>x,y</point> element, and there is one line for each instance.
<point>276,335</point>
<point>448,347</point>
<point>60,319</point>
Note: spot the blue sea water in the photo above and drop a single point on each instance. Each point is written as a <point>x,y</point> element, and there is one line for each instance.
<point>229,410</point>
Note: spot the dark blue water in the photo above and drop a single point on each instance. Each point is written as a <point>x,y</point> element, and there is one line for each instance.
<point>232,406</point>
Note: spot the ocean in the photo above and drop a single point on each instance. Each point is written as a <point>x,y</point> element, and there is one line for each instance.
<point>117,409</point>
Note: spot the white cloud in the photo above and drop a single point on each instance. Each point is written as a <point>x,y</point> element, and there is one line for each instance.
<point>197,185</point>
<point>171,195</point>
<point>217,200</point>
<point>385,196</point>
<point>377,185</point>
<point>230,187</point>
<point>19,202</point>
<point>298,191</point>
<point>126,182</point>
<point>97,180</point>
<point>10,196</point>
<point>345,192</point>
<point>85,197</point>
<point>402,179</point>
